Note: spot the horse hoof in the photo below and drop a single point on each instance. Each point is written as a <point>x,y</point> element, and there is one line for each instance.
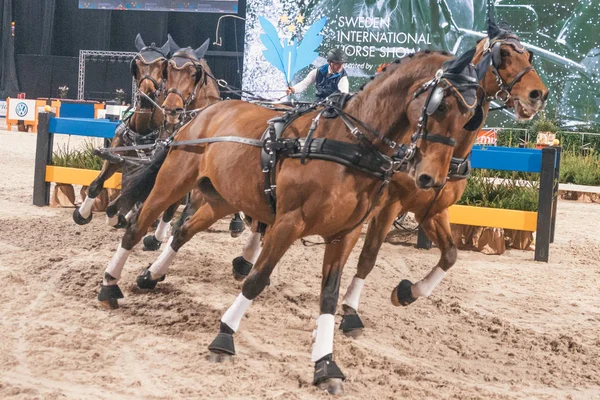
<point>351,325</point>
<point>145,281</point>
<point>334,386</point>
<point>402,294</point>
<point>328,376</point>
<point>241,268</point>
<point>111,304</point>
<point>109,296</point>
<point>122,222</point>
<point>223,345</point>
<point>151,243</point>
<point>236,226</point>
<point>220,358</point>
<point>78,218</point>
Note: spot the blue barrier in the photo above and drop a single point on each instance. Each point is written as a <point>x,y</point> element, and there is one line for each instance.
<point>507,159</point>
<point>101,128</point>
<point>76,110</point>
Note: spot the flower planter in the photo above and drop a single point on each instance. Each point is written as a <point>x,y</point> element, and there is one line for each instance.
<point>492,241</point>
<point>63,195</point>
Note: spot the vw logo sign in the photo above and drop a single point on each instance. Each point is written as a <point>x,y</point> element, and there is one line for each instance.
<point>21,109</point>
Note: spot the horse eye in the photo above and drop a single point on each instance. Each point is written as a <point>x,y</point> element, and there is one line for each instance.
<point>443,107</point>
<point>504,53</point>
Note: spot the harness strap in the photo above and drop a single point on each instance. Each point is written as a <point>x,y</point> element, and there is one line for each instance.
<point>221,139</point>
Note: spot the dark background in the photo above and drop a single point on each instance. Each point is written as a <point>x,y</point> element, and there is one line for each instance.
<point>50,33</point>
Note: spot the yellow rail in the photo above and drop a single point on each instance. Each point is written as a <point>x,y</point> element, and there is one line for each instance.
<point>76,176</point>
<point>494,217</point>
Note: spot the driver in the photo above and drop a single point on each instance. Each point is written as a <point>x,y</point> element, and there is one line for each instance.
<point>328,79</point>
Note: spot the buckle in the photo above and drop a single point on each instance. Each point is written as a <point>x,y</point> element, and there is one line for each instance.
<point>498,95</point>
<point>390,166</point>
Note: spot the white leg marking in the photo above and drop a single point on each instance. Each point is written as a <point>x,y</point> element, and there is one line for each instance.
<point>162,231</point>
<point>324,337</point>
<point>425,286</point>
<point>116,264</point>
<point>352,295</point>
<point>234,314</point>
<point>252,248</point>
<point>162,263</point>
<point>112,221</point>
<point>128,215</point>
<point>85,208</point>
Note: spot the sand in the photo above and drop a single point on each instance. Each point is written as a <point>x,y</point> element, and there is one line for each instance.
<point>497,327</point>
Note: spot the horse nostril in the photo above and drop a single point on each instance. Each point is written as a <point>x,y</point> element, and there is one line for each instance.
<point>425,181</point>
<point>546,95</point>
<point>535,95</point>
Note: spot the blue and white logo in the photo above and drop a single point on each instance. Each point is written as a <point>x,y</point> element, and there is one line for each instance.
<point>21,109</point>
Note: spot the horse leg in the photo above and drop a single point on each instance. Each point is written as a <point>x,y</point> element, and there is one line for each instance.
<point>83,214</point>
<point>153,241</point>
<point>438,230</point>
<point>280,237</point>
<point>236,226</point>
<point>162,196</point>
<point>113,217</point>
<point>327,375</point>
<point>379,227</point>
<point>242,265</point>
<point>207,214</point>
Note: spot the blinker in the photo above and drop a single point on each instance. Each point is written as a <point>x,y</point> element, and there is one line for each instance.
<point>435,100</point>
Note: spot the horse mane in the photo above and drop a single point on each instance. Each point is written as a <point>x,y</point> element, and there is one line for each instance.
<point>403,61</point>
<point>210,82</point>
<point>399,77</point>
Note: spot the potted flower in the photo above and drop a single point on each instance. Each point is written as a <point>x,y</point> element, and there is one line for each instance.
<point>120,95</point>
<point>63,91</point>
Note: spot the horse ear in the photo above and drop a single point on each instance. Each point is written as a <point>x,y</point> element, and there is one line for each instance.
<point>461,62</point>
<point>483,66</point>
<point>492,28</point>
<point>172,45</point>
<point>139,42</point>
<point>201,51</point>
<point>166,48</point>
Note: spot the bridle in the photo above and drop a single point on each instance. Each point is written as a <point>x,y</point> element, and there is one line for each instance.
<point>493,48</point>
<point>158,88</point>
<point>442,82</point>
<point>200,79</point>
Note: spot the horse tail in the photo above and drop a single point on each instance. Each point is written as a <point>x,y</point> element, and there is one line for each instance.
<point>138,184</point>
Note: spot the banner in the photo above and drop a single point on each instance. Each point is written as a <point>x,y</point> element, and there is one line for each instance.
<point>21,110</point>
<point>487,137</point>
<point>373,33</point>
<point>2,108</point>
<point>209,6</point>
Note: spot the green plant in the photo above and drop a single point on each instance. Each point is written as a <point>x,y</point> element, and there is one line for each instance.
<point>544,125</point>
<point>82,158</point>
<point>580,170</point>
<point>485,189</point>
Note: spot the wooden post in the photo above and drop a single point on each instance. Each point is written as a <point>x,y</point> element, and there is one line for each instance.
<point>43,157</point>
<point>555,195</point>
<point>423,241</point>
<point>544,221</point>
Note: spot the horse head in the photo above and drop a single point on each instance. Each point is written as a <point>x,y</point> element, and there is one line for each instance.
<point>431,96</point>
<point>148,68</point>
<point>511,78</point>
<point>187,75</point>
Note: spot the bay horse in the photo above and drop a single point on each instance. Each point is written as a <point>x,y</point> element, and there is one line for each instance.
<point>511,79</point>
<point>148,68</point>
<point>423,95</point>
<point>190,87</point>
